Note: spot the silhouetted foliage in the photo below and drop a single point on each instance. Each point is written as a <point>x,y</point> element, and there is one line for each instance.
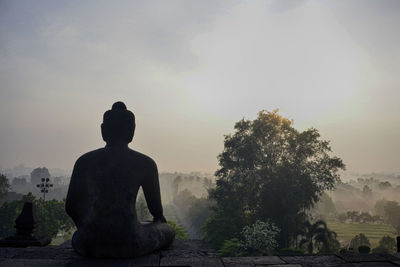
<point>392,214</point>
<point>267,169</point>
<point>384,185</point>
<point>219,228</point>
<point>387,244</point>
<point>318,237</point>
<point>380,207</point>
<point>4,186</point>
<point>49,215</point>
<point>358,241</point>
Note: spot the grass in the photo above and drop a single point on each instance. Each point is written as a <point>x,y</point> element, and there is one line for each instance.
<point>374,232</point>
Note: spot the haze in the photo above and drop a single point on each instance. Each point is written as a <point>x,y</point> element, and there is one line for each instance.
<point>190,69</point>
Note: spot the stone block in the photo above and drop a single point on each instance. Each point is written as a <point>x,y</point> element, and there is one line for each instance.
<point>33,263</point>
<point>330,260</point>
<point>368,257</point>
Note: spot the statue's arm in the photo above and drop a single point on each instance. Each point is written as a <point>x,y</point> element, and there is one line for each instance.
<point>151,189</point>
<point>73,205</point>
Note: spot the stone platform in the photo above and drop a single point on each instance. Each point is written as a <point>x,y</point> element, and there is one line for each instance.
<point>183,253</point>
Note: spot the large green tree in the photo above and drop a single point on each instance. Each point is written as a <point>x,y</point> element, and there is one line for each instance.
<point>270,170</point>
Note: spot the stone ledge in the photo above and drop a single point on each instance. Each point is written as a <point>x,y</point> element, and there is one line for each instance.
<point>183,253</point>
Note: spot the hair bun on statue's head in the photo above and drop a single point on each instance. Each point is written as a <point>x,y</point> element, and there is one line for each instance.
<point>118,123</point>
<point>118,105</point>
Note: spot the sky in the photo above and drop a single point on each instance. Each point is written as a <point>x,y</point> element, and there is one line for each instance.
<point>190,69</point>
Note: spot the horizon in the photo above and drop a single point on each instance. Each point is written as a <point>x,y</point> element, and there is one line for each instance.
<point>189,71</point>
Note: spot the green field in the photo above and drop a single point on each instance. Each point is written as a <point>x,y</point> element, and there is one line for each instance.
<point>374,232</point>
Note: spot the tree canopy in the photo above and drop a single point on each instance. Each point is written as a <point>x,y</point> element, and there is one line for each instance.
<point>270,170</point>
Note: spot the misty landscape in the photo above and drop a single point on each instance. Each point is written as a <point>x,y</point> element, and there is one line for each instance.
<point>264,127</point>
<point>360,203</point>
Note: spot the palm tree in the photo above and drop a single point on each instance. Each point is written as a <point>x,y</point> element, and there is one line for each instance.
<point>317,235</point>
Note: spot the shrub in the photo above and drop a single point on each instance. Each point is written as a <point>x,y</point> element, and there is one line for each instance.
<point>230,248</point>
<point>364,249</point>
<point>380,250</point>
<point>180,231</point>
<point>259,238</point>
<point>358,241</point>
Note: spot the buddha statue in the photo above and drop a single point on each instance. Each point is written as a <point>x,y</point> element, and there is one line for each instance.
<point>102,195</point>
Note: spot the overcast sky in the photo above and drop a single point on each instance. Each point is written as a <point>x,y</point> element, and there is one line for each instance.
<point>190,69</point>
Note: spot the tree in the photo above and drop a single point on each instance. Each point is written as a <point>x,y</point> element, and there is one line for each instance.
<point>380,207</point>
<point>318,236</point>
<point>392,214</point>
<point>367,191</point>
<point>51,217</point>
<point>267,169</point>
<point>384,185</point>
<point>4,186</point>
<point>353,216</point>
<point>358,241</point>
<point>387,244</point>
<point>325,205</point>
<point>342,217</point>
<point>219,228</point>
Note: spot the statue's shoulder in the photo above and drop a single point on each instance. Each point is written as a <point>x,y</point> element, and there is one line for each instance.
<point>90,155</point>
<point>144,159</point>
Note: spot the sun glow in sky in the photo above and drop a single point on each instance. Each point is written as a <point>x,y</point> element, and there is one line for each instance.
<point>190,69</point>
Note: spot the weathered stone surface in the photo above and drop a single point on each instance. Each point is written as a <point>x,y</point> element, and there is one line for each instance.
<point>183,253</point>
<point>314,260</point>
<point>368,257</point>
<point>149,260</point>
<point>191,261</point>
<point>237,261</point>
<point>50,252</point>
<point>11,252</point>
<point>251,261</point>
<point>267,260</point>
<point>374,264</point>
<point>189,253</point>
<point>33,263</point>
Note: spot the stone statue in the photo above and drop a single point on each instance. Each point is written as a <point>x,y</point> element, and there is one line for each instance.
<point>102,195</point>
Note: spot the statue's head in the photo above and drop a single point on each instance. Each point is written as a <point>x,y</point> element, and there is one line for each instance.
<point>118,124</point>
